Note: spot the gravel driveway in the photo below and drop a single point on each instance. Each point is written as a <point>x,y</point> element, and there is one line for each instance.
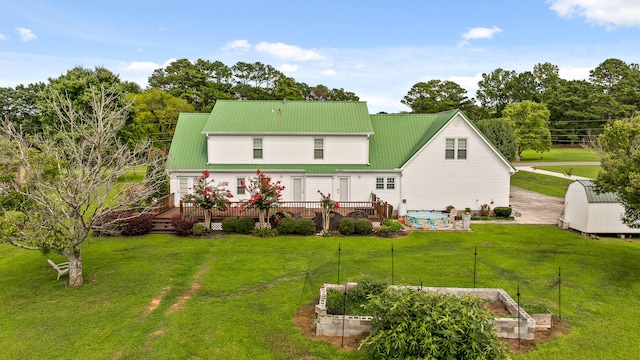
<point>535,208</point>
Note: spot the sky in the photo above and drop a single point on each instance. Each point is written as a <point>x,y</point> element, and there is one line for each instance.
<point>376,49</point>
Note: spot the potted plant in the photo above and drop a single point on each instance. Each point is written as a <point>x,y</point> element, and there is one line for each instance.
<point>466,218</point>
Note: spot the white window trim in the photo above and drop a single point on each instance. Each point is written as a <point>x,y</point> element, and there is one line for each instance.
<point>456,149</point>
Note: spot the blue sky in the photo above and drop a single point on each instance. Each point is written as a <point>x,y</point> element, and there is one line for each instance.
<point>377,49</point>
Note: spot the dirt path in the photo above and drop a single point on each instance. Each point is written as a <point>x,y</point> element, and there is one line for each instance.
<point>535,208</point>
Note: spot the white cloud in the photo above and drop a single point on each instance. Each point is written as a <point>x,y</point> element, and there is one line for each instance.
<point>288,52</point>
<point>287,68</point>
<point>140,66</point>
<point>4,37</point>
<point>479,33</point>
<point>359,66</point>
<point>469,83</point>
<point>26,34</point>
<point>574,73</point>
<point>608,13</point>
<point>241,45</point>
<point>328,72</point>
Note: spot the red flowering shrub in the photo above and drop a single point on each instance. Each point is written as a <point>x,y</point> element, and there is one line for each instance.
<point>136,225</point>
<point>183,224</point>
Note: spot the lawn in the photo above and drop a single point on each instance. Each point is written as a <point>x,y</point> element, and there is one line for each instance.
<point>559,154</point>
<point>234,297</point>
<point>544,184</point>
<point>589,171</point>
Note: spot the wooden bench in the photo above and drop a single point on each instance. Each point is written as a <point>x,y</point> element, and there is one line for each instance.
<point>61,268</point>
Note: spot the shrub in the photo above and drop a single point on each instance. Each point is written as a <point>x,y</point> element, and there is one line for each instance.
<point>200,229</point>
<point>363,227</point>
<point>287,226</point>
<point>245,225</point>
<point>109,224</point>
<point>393,225</point>
<point>355,299</point>
<point>502,211</point>
<point>305,226</point>
<point>383,231</point>
<point>347,226</point>
<point>265,232</point>
<point>136,225</point>
<point>485,210</point>
<point>229,224</point>
<point>454,327</point>
<point>183,224</point>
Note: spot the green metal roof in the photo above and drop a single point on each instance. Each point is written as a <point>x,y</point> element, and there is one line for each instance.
<point>188,147</point>
<point>400,136</point>
<point>595,197</point>
<point>288,117</point>
<point>395,137</point>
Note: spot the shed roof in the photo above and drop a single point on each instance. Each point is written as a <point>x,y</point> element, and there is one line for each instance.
<point>595,197</point>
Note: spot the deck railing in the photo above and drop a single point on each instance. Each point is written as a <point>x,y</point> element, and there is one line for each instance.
<point>163,204</point>
<point>373,207</point>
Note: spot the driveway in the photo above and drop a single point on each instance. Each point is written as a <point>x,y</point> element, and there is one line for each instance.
<point>535,208</point>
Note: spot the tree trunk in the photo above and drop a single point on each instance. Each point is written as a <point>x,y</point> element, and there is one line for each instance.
<point>75,267</point>
<point>207,218</point>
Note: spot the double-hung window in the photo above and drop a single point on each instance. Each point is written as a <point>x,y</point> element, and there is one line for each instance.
<point>380,182</point>
<point>455,149</point>
<point>257,148</point>
<point>239,188</point>
<point>318,149</point>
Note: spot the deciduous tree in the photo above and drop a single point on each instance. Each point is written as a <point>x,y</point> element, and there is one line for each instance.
<point>264,195</point>
<point>207,197</point>
<point>71,176</point>
<point>530,122</point>
<point>620,161</point>
<point>435,96</point>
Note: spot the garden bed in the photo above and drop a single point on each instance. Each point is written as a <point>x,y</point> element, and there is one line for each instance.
<point>517,325</point>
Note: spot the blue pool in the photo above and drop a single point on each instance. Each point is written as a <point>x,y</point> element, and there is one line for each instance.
<point>426,219</point>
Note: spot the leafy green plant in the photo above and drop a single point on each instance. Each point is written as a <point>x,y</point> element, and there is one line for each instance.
<point>383,231</point>
<point>355,299</point>
<point>229,224</point>
<point>265,233</point>
<point>305,226</point>
<point>200,229</point>
<point>363,227</point>
<point>287,226</point>
<point>245,225</point>
<point>393,225</point>
<point>347,226</point>
<point>415,324</point>
<point>485,210</point>
<point>502,211</point>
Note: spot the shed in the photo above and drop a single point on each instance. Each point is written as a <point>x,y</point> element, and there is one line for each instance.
<point>590,212</point>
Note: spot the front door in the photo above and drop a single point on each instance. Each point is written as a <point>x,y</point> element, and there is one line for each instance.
<point>344,189</point>
<point>296,189</point>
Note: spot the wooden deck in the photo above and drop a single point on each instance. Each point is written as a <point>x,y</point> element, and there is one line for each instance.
<point>162,221</point>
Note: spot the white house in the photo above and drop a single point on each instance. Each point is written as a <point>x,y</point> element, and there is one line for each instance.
<point>591,212</point>
<point>429,160</point>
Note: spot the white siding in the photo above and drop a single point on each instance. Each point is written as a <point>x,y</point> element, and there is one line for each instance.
<point>431,182</point>
<point>576,207</point>
<point>593,218</point>
<point>287,150</point>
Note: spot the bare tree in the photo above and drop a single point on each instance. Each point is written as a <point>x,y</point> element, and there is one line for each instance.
<point>71,177</point>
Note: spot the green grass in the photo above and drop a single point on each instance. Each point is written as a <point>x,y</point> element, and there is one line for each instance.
<point>590,171</point>
<point>559,154</point>
<point>544,184</point>
<point>244,291</point>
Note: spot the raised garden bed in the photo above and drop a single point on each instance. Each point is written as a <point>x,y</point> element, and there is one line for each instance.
<point>517,325</point>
